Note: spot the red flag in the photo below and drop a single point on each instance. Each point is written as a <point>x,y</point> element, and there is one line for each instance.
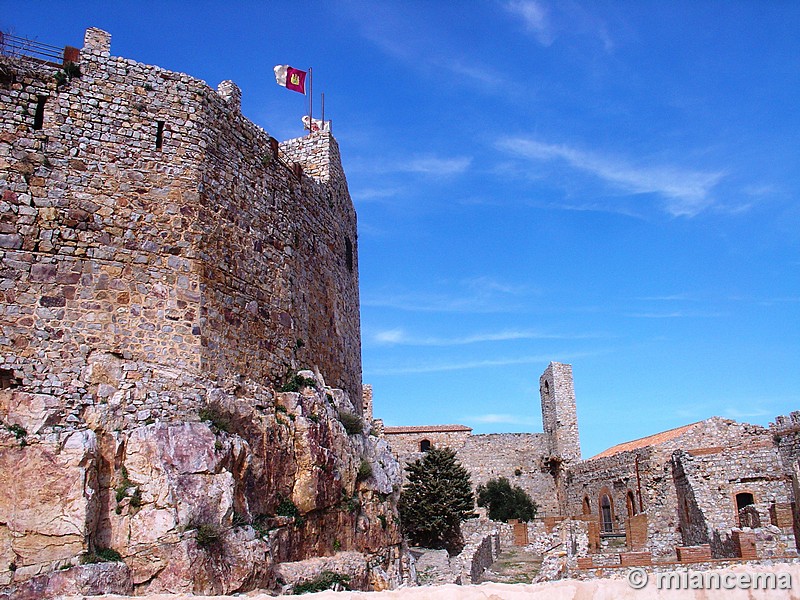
<point>291,78</point>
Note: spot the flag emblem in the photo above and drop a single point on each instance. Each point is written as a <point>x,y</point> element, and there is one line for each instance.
<point>290,78</point>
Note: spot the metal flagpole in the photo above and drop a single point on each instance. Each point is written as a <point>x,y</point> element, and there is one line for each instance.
<point>323,112</point>
<point>310,101</point>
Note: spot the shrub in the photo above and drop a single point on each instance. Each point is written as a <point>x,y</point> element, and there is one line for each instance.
<point>101,555</point>
<point>435,499</point>
<point>208,534</point>
<point>505,501</point>
<point>364,470</point>
<point>297,382</point>
<point>260,524</point>
<point>287,508</point>
<point>353,424</point>
<point>327,580</point>
<point>219,420</point>
<point>18,430</point>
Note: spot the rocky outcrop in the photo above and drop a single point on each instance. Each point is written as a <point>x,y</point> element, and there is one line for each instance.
<point>211,504</point>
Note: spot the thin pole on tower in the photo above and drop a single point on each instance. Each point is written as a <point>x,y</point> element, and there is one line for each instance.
<point>323,112</point>
<point>310,100</point>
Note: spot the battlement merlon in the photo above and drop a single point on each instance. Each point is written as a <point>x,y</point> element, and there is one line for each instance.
<point>318,154</point>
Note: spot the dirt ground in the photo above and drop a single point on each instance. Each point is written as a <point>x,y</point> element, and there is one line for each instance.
<point>514,565</point>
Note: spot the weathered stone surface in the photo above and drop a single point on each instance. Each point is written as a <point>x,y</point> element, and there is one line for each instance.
<point>32,412</point>
<point>90,580</point>
<point>48,499</point>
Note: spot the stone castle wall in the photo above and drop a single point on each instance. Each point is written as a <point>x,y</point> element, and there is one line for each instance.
<point>647,473</point>
<point>786,434</point>
<point>148,219</point>
<point>519,457</point>
<point>707,486</point>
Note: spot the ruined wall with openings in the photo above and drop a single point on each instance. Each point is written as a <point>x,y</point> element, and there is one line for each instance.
<point>646,475</point>
<point>709,484</point>
<point>145,219</point>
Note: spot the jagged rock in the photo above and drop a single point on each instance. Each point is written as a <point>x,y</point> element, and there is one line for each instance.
<point>30,411</point>
<point>352,565</point>
<point>90,580</point>
<point>48,500</point>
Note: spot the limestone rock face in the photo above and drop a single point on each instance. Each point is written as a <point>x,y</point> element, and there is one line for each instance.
<point>48,500</point>
<point>209,506</point>
<point>90,580</point>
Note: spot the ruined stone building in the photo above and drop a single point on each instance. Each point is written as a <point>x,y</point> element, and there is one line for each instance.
<point>712,489</point>
<point>167,268</point>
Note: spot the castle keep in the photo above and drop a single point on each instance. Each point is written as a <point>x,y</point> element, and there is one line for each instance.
<point>711,490</point>
<point>167,269</point>
<point>145,216</point>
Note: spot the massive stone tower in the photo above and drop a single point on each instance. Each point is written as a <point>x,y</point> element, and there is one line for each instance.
<point>559,415</point>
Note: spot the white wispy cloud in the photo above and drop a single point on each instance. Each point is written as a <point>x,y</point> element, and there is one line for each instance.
<point>375,194</point>
<point>434,165</point>
<point>408,37</point>
<point>400,337</point>
<point>425,164</point>
<point>534,18</point>
<point>668,297</point>
<point>676,314</point>
<point>502,418</point>
<point>733,412</point>
<point>472,295</point>
<point>474,364</point>
<point>686,192</point>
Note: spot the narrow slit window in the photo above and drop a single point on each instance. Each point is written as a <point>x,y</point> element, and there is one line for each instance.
<point>38,117</point>
<point>348,251</point>
<point>159,135</point>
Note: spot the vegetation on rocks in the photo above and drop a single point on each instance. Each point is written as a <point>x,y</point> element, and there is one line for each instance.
<point>327,580</point>
<point>353,424</point>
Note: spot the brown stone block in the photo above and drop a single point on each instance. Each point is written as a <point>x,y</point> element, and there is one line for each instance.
<point>780,514</point>
<point>693,554</point>
<point>585,562</point>
<point>745,544</point>
<point>635,559</point>
<point>636,532</point>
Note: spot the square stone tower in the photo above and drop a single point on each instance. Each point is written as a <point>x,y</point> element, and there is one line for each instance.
<point>559,415</point>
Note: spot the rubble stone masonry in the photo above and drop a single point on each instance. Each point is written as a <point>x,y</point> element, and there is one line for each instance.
<point>147,219</point>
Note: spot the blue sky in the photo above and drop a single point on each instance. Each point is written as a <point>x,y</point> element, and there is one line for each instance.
<point>609,184</point>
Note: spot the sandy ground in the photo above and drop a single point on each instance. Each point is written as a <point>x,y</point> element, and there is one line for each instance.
<point>597,589</point>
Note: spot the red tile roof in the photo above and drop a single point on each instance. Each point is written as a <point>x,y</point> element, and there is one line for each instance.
<point>650,440</point>
<point>426,429</point>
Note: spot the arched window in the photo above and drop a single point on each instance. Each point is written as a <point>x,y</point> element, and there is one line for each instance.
<point>587,507</point>
<point>606,514</point>
<point>630,503</point>
<point>424,445</point>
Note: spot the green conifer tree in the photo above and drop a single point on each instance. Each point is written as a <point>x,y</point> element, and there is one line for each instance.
<point>436,498</point>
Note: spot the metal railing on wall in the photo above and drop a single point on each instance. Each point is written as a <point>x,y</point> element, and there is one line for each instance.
<point>15,46</point>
